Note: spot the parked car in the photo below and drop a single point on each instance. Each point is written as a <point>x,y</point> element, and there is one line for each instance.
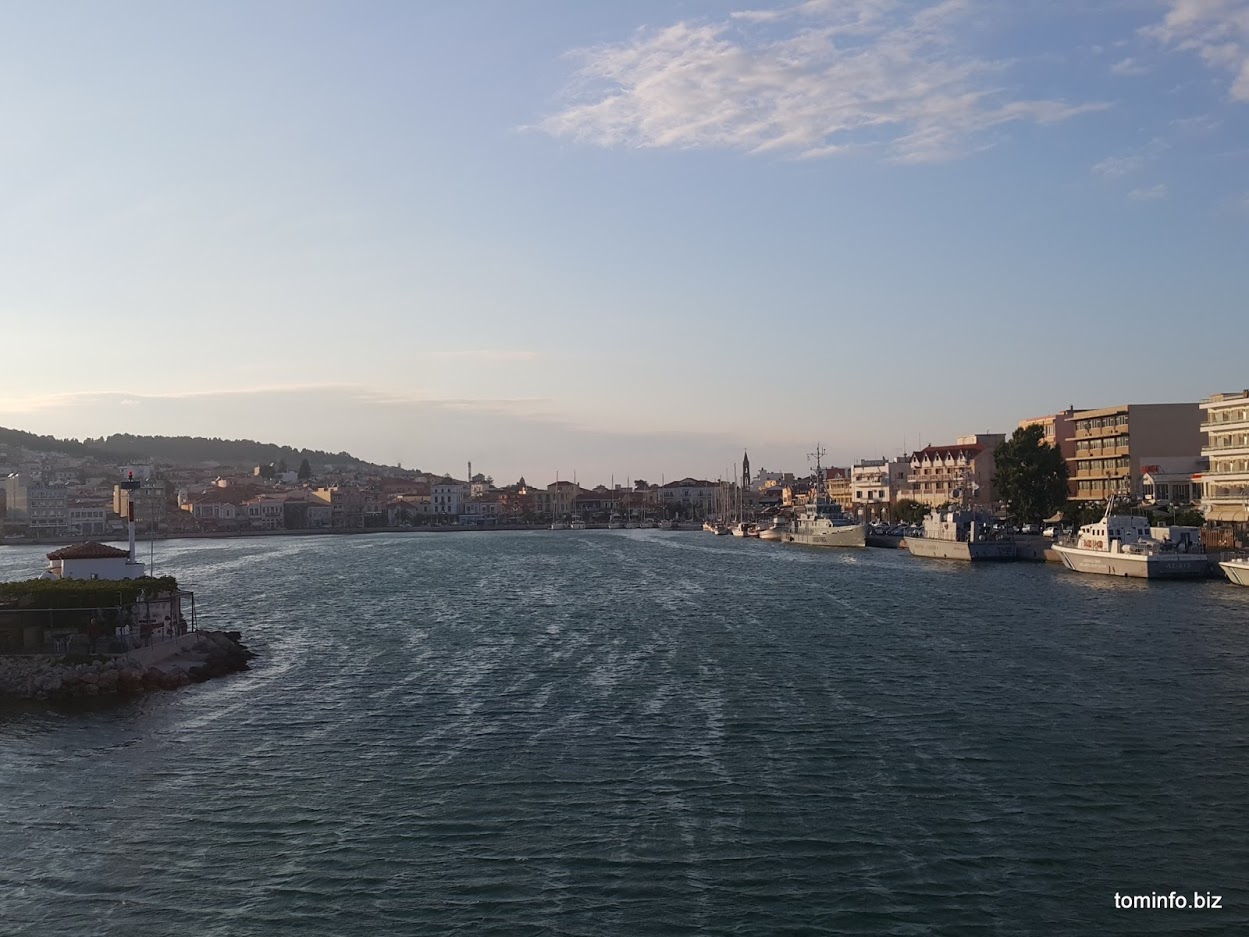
<point>1052,531</point>
<point>1032,529</point>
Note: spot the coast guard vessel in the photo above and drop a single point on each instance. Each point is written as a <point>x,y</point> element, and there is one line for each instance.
<point>822,523</point>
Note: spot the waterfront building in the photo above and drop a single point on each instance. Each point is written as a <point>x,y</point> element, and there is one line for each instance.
<point>1172,482</point>
<point>1059,430</point>
<point>837,486</point>
<point>92,561</point>
<point>875,485</point>
<point>346,505</point>
<point>44,509</point>
<point>1225,484</point>
<point>447,497</point>
<point>693,497</point>
<point>959,474</point>
<point>1111,444</point>
<point>86,518</point>
<point>149,501</point>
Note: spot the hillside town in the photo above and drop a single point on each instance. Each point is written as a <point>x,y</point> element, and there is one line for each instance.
<point>1193,456</point>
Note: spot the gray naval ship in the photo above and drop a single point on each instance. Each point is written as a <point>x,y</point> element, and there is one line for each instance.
<point>822,523</point>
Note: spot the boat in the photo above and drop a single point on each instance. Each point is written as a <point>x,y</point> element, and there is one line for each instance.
<point>1237,570</point>
<point>558,525</point>
<point>646,523</point>
<point>776,531</point>
<point>577,524</point>
<point>709,527</point>
<point>667,524</point>
<point>961,534</point>
<point>720,530</point>
<point>822,522</point>
<point>1125,545</point>
<point>615,522</point>
<point>744,529</point>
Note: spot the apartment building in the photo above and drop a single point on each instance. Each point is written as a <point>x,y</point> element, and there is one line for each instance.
<point>875,485</point>
<point>42,508</point>
<point>149,501</point>
<point>447,497</point>
<point>1112,444</point>
<point>1225,484</point>
<point>837,486</point>
<point>962,473</point>
<point>1059,430</point>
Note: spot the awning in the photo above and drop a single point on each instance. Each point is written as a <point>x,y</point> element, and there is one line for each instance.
<point>1227,514</point>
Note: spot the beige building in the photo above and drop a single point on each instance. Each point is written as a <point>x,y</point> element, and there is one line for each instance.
<point>1111,445</point>
<point>837,485</point>
<point>149,501</point>
<point>1059,430</point>
<point>1225,484</point>
<point>962,473</point>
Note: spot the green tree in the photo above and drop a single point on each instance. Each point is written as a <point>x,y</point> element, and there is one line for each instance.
<point>909,511</point>
<point>1031,475</point>
<point>1078,513</point>
<point>281,466</point>
<point>305,470</point>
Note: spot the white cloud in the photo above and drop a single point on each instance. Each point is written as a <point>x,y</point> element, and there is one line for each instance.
<point>809,80</point>
<point>1216,30</point>
<point>1153,193</point>
<point>1128,66</point>
<point>1115,167</point>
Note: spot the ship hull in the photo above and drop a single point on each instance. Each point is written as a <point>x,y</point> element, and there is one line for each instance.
<point>852,535</point>
<point>1236,572</point>
<point>1134,565</point>
<point>988,551</point>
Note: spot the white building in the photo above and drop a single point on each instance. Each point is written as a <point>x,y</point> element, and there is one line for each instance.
<point>92,561</point>
<point>875,486</point>
<point>447,497</point>
<point>43,508</point>
<point>1225,484</point>
<point>86,519</point>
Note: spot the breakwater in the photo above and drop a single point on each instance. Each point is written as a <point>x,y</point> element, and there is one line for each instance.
<point>192,658</point>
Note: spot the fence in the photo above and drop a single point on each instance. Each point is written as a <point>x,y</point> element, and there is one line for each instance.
<point>116,629</point>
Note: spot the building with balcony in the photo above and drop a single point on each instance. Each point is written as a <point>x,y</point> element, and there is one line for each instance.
<point>875,485</point>
<point>44,509</point>
<point>447,497</point>
<point>1110,446</point>
<point>837,486</point>
<point>1225,483</point>
<point>962,473</point>
<point>1058,428</point>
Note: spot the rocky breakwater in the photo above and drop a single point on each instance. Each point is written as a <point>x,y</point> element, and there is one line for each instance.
<point>192,658</point>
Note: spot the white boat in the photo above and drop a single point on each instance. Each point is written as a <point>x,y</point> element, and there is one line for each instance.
<point>720,530</point>
<point>709,527</point>
<point>1125,545</point>
<point>1237,570</point>
<point>646,523</point>
<point>776,531</point>
<point>558,525</point>
<point>667,524</point>
<point>961,534</point>
<point>615,522</point>
<point>577,524</point>
<point>744,529</point>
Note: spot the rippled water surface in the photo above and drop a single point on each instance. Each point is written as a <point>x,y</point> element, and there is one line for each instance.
<point>642,732</point>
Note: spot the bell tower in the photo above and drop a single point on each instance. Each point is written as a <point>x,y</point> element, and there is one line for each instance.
<point>745,470</point>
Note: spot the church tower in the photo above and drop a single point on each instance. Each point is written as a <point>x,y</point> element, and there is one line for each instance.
<point>745,470</point>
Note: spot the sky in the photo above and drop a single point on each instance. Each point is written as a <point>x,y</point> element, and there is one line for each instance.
<point>617,240</point>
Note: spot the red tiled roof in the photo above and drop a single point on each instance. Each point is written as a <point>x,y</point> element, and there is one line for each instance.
<point>87,551</point>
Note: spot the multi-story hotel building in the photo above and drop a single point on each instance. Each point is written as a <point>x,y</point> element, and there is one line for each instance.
<point>1225,484</point>
<point>960,473</point>
<point>1111,445</point>
<point>875,485</point>
<point>1058,428</point>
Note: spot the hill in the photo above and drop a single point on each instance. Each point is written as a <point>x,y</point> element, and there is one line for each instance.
<point>182,450</point>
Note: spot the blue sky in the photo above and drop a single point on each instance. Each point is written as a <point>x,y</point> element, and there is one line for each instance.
<point>625,239</point>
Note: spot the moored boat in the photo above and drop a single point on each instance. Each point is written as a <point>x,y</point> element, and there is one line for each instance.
<point>1125,545</point>
<point>1237,570</point>
<point>961,534</point>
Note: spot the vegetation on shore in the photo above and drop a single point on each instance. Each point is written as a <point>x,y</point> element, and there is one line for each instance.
<point>82,593</point>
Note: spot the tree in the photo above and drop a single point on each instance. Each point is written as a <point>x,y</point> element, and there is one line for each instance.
<point>1031,475</point>
<point>1078,513</point>
<point>305,470</point>
<point>909,511</point>
<point>281,466</point>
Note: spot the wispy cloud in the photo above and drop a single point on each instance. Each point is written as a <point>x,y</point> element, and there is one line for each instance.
<point>1216,30</point>
<point>488,354</point>
<point>1115,167</point>
<point>1153,193</point>
<point>1128,67</point>
<point>808,80</point>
